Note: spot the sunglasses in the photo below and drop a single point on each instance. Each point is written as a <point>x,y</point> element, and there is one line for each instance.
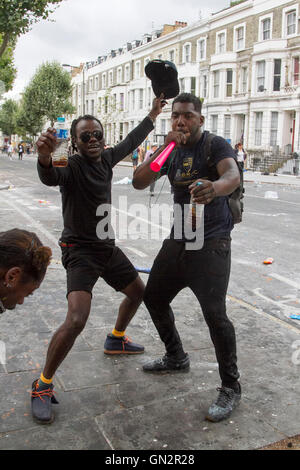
<point>86,136</point>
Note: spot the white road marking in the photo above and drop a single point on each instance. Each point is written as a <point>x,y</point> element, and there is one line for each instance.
<point>137,252</point>
<point>33,222</point>
<point>143,220</point>
<point>276,200</point>
<point>285,280</point>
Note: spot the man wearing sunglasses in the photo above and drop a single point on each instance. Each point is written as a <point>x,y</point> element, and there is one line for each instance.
<point>85,185</point>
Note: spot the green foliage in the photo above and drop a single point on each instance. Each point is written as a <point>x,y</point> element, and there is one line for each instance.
<point>7,69</point>
<point>8,117</point>
<point>18,16</point>
<point>47,96</point>
<point>236,2</point>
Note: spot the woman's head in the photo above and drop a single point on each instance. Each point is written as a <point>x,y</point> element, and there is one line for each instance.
<point>23,265</point>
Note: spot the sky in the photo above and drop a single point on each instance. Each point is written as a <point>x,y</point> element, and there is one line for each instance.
<point>82,30</point>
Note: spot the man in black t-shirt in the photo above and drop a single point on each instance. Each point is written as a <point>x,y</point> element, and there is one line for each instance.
<point>204,268</point>
<point>87,242</point>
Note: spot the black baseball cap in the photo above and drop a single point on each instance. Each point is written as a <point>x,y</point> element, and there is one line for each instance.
<point>163,75</point>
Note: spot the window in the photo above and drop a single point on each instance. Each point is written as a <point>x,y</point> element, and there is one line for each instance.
<point>258,128</point>
<point>111,78</point>
<point>132,99</point>
<point>121,101</point>
<point>187,53</point>
<point>244,79</point>
<point>214,123</point>
<point>274,129</point>
<point>121,131</point>
<point>296,71</point>
<point>227,127</point>
<point>291,23</point>
<point>104,80</point>
<point>172,56</point>
<point>277,75</point>
<point>106,104</point>
<point>221,37</point>
<point>204,86</point>
<point>182,85</point>
<point>92,107</point>
<point>216,83</point>
<point>229,82</point>
<point>202,49</point>
<point>137,70</point>
<point>240,37</point>
<point>163,126</point>
<point>149,94</point>
<point>127,73</point>
<point>193,85</point>
<point>141,98</point>
<point>266,29</point>
<point>119,75</point>
<point>97,83</point>
<point>260,74</point>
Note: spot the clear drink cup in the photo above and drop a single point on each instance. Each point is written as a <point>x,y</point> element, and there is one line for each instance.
<point>60,154</point>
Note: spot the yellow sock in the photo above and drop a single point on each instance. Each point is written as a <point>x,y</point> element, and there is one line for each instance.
<point>44,380</point>
<point>118,334</point>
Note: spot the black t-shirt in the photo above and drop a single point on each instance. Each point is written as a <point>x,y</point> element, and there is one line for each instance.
<point>86,189</point>
<point>183,167</point>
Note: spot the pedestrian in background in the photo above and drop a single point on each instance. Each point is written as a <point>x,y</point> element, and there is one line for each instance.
<point>135,158</point>
<point>21,151</point>
<point>149,154</point>
<point>10,151</point>
<point>240,154</point>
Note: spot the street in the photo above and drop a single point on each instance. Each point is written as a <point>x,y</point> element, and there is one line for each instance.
<point>270,228</point>
<point>261,299</point>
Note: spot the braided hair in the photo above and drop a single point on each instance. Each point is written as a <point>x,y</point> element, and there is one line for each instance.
<point>25,250</point>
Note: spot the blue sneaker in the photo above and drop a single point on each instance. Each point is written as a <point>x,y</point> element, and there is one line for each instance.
<point>41,403</point>
<point>123,345</point>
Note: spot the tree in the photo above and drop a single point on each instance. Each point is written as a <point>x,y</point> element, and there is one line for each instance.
<point>18,16</point>
<point>7,69</point>
<point>8,117</point>
<point>48,95</point>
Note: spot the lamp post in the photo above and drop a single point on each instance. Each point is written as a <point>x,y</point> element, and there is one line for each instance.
<point>83,84</point>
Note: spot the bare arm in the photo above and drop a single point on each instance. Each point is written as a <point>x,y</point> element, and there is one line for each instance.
<point>229,180</point>
<point>143,175</point>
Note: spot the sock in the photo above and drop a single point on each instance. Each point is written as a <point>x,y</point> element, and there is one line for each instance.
<point>44,383</point>
<point>118,334</point>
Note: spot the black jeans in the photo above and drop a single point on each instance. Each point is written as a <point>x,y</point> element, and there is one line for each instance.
<point>206,272</point>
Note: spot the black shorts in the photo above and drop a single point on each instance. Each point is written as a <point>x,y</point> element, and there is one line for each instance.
<point>84,266</point>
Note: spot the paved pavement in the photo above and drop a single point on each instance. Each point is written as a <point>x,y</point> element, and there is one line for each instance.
<point>108,403</point>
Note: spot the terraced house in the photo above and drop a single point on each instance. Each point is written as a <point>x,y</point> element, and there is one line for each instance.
<point>243,61</point>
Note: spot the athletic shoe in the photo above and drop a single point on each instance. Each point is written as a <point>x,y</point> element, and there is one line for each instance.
<point>168,363</point>
<point>226,402</point>
<point>41,403</point>
<point>123,345</point>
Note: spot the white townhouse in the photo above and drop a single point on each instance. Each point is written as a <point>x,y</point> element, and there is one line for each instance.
<point>243,61</point>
